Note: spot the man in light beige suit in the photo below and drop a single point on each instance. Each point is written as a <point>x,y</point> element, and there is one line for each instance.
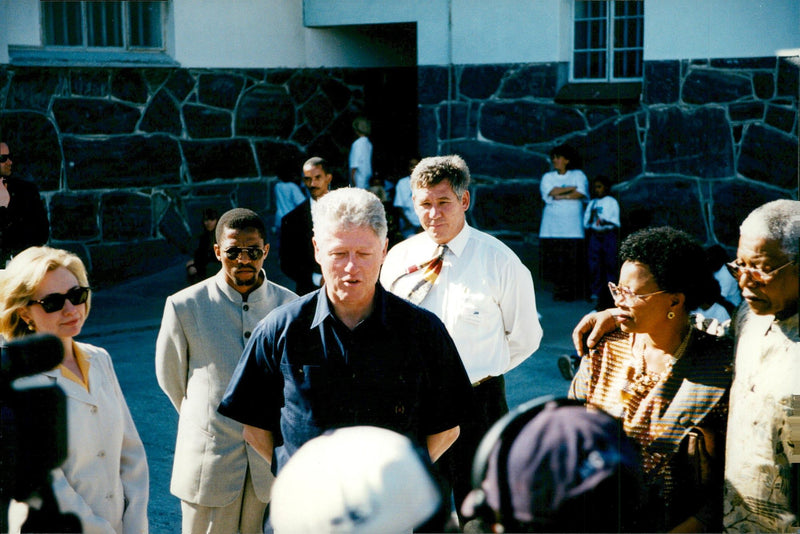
<point>223,483</point>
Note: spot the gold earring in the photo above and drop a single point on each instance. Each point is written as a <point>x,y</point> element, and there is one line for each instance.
<point>671,315</point>
<point>31,326</point>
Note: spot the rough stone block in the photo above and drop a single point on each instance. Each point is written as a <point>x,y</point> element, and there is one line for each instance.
<point>34,142</point>
<point>612,150</point>
<point>337,93</point>
<point>274,155</point>
<point>781,118</point>
<point>695,143</point>
<point>537,81</point>
<point>733,201</point>
<point>512,206</point>
<point>254,196</point>
<point>521,123</point>
<point>162,115</point>
<point>599,115</point>
<point>129,85</point>
<point>428,131</point>
<point>485,159</point>
<point>219,90</point>
<point>704,87</point>
<point>88,82</point>
<point>173,229</point>
<point>303,135</point>
<point>318,112</point>
<point>73,217</point>
<point>789,77</point>
<point>125,216</point>
<point>769,156</point>
<point>278,76</point>
<point>303,85</point>
<point>652,202</point>
<point>454,120</point>
<point>113,262</point>
<point>265,112</point>
<point>662,82</point>
<point>203,122</point>
<point>767,63</point>
<point>746,111</point>
<point>32,88</point>
<point>125,161</point>
<point>764,85</point>
<point>480,81</point>
<point>210,160</point>
<point>180,84</point>
<point>92,116</point>
<point>432,85</point>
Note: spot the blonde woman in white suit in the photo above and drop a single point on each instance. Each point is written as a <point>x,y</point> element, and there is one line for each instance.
<point>104,479</point>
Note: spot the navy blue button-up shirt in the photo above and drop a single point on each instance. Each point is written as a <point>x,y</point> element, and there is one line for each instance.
<point>304,372</point>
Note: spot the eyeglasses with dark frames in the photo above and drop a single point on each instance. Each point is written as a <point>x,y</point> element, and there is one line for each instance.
<point>55,301</point>
<point>254,253</point>
<point>626,294</point>
<point>4,157</point>
<point>758,276</point>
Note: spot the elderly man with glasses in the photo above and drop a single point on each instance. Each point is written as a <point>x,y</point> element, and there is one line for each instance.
<point>23,217</point>
<point>223,483</point>
<point>763,431</point>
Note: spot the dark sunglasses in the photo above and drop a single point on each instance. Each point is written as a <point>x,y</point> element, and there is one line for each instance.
<point>254,253</point>
<point>4,157</point>
<point>55,301</point>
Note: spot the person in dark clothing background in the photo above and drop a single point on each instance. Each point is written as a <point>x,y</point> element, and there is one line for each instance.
<point>204,262</point>
<point>23,217</point>
<point>296,251</point>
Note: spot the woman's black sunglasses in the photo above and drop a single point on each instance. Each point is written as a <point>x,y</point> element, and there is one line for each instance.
<point>55,301</point>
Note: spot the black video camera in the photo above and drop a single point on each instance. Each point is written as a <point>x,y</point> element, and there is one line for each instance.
<point>33,434</point>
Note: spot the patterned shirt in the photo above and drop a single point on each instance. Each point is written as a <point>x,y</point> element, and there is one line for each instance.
<point>758,475</point>
<point>658,414</point>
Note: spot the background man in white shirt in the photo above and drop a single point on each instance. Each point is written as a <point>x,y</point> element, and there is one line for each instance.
<point>483,294</point>
<point>360,159</point>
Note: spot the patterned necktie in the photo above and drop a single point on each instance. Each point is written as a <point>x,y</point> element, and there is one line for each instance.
<point>430,271</point>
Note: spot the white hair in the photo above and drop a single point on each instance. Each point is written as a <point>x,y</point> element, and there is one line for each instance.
<point>778,220</point>
<point>349,207</point>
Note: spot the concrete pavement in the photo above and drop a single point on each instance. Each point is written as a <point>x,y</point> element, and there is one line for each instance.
<point>125,319</point>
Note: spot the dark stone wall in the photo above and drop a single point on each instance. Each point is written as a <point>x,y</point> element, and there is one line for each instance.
<point>707,142</point>
<point>127,159</point>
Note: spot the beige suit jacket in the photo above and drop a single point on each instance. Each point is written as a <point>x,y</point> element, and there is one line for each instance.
<point>203,333</point>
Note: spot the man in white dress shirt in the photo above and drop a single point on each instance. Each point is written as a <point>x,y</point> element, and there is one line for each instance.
<point>483,294</point>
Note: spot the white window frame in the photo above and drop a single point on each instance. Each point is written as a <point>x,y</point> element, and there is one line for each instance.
<point>611,19</point>
<point>126,32</point>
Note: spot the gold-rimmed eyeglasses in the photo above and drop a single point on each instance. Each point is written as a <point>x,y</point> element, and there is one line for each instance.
<point>626,294</point>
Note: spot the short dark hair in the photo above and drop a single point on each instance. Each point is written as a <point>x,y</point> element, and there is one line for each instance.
<point>676,260</point>
<point>603,179</point>
<point>239,219</point>
<point>569,152</point>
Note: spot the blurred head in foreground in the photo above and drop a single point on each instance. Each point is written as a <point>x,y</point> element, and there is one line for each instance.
<point>356,479</point>
<point>555,466</point>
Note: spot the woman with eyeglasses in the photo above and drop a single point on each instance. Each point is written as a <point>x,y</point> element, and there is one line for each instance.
<point>667,381</point>
<point>104,479</point>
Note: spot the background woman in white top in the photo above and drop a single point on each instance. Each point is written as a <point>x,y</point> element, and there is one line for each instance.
<point>561,232</point>
<point>104,480</point>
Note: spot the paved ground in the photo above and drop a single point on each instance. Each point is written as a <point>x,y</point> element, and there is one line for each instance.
<point>125,320</point>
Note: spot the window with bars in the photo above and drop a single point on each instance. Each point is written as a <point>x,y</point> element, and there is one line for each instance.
<point>114,24</point>
<point>608,41</point>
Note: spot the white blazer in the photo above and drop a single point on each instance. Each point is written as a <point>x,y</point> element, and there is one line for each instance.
<point>104,480</point>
